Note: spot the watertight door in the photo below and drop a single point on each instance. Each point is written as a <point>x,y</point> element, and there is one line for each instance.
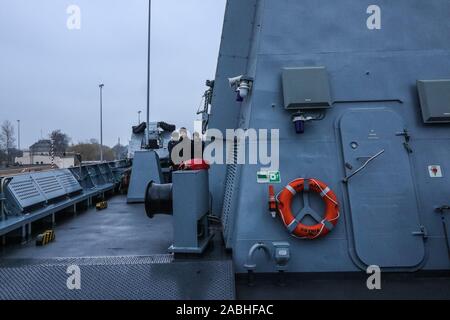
<point>383,205</point>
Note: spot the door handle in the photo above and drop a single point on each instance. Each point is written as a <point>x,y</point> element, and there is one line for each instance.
<point>369,160</point>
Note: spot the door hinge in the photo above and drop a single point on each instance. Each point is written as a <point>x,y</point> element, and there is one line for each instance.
<point>407,137</point>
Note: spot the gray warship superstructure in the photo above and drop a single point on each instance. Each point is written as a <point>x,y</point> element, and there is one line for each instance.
<point>379,72</point>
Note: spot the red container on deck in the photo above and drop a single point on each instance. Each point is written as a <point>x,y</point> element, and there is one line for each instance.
<point>195,164</point>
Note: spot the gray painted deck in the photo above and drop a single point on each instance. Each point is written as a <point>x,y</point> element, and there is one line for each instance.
<point>120,230</point>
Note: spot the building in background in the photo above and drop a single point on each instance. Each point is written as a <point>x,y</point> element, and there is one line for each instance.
<point>40,154</point>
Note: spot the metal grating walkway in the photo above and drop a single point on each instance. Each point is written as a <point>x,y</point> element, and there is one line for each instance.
<point>118,278</point>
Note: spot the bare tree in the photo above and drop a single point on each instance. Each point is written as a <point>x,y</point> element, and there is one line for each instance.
<point>61,141</point>
<point>7,137</point>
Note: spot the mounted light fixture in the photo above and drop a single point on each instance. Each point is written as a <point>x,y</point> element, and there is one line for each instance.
<point>242,85</point>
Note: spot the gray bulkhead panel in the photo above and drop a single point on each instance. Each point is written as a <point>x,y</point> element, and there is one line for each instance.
<point>233,59</point>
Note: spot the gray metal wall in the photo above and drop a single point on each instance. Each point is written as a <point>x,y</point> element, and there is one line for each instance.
<point>385,204</point>
<point>233,59</point>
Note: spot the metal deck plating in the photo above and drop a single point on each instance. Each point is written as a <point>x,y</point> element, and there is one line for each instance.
<point>122,255</point>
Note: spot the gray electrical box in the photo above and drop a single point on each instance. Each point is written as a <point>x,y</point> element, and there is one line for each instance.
<point>435,100</point>
<point>306,88</point>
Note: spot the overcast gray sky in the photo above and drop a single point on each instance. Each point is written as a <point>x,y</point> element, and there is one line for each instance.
<point>49,75</point>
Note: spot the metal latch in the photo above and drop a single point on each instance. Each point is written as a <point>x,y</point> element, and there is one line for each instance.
<point>407,137</point>
<point>422,233</point>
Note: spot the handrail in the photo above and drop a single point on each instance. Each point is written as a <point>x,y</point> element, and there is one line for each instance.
<point>346,179</point>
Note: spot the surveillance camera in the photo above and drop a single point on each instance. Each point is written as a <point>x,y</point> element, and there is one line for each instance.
<point>242,85</point>
<point>243,89</point>
<point>235,81</point>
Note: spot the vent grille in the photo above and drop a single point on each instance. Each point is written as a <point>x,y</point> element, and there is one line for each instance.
<point>24,189</point>
<point>230,195</point>
<point>68,181</point>
<point>49,184</point>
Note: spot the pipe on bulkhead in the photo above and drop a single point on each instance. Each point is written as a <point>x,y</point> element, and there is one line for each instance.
<point>3,182</point>
<point>250,265</point>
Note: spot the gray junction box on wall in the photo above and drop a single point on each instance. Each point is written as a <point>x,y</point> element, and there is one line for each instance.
<point>435,100</point>
<point>306,88</point>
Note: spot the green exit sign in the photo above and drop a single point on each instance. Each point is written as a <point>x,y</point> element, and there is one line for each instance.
<point>269,177</point>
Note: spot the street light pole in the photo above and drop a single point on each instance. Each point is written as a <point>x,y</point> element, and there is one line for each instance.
<point>148,70</point>
<point>101,121</point>
<point>18,135</point>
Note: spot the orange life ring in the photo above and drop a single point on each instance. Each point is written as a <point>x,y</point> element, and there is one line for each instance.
<point>294,223</point>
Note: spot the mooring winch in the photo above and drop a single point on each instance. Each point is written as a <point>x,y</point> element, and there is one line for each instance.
<point>187,198</point>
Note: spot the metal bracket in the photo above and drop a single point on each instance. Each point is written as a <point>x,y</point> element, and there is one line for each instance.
<point>442,209</point>
<point>422,233</point>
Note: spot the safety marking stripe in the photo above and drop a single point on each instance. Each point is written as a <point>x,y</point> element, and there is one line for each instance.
<point>325,192</point>
<point>291,190</point>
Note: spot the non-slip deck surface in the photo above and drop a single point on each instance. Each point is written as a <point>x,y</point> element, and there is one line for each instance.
<point>120,278</point>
